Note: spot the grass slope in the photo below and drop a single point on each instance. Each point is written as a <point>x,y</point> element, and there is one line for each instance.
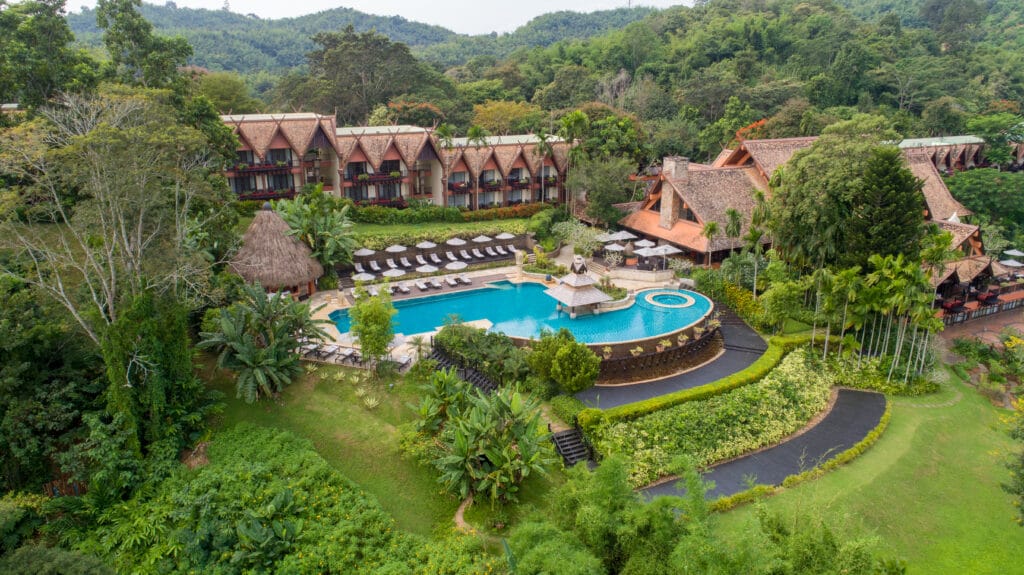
<point>929,489</point>
<point>360,443</point>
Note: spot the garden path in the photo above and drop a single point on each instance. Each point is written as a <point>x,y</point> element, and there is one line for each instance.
<point>853,416</point>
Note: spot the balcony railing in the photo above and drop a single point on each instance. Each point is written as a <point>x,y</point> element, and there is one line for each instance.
<point>492,186</point>
<point>518,183</point>
<point>262,167</point>
<point>459,187</point>
<point>383,178</point>
<point>547,180</point>
<point>266,194</point>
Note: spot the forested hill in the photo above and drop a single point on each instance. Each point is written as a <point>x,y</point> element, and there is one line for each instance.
<point>224,40</point>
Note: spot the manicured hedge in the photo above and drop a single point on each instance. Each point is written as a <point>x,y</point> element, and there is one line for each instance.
<point>778,347</point>
<point>373,214</point>
<point>758,491</point>
<point>566,407</point>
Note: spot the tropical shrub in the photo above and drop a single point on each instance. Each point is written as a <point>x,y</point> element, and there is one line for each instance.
<point>722,426</point>
<point>266,502</point>
<point>870,373</point>
<point>38,560</point>
<point>492,353</point>
<point>426,213</point>
<point>481,444</point>
<point>378,240</point>
<point>575,367</point>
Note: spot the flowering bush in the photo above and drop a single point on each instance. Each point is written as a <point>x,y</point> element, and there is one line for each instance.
<point>722,426</point>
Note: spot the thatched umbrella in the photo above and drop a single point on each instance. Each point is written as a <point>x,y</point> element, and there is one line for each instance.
<point>273,258</point>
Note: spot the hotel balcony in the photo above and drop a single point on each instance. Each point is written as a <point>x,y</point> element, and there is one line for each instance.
<point>385,178</point>
<point>262,167</point>
<point>459,187</point>
<point>518,183</point>
<point>492,186</point>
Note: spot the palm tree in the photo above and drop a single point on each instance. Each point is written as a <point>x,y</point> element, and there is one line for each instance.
<point>445,135</point>
<point>544,149</point>
<point>575,126</point>
<point>753,243</point>
<point>710,231</point>
<point>476,136</point>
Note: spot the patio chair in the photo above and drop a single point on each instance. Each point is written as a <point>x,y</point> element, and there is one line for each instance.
<point>405,262</point>
<point>391,263</point>
<point>478,255</point>
<point>374,292</point>
<point>501,251</point>
<point>511,249</point>
<point>359,268</point>
<point>435,284</point>
<point>465,255</point>
<point>420,260</point>
<point>465,279</point>
<point>435,259</point>
<point>404,287</point>
<point>375,266</point>
<point>451,281</point>
<point>490,252</point>
<point>451,257</point>
<point>421,285</point>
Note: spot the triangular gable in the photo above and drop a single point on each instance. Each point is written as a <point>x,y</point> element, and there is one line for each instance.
<point>561,156</point>
<point>375,148</point>
<point>409,146</point>
<point>505,156</point>
<point>345,147</point>
<point>534,160</point>
<point>476,159</point>
<point>259,135</point>
<point>452,157</point>
<point>299,134</point>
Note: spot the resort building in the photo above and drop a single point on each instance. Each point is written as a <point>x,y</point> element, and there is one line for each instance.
<point>685,196</point>
<point>392,165</point>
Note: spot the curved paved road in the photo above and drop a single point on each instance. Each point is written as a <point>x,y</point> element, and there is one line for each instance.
<point>853,416</point>
<point>742,347</point>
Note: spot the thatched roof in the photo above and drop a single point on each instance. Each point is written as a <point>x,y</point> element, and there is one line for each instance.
<point>941,204</point>
<point>272,257</point>
<point>576,297</point>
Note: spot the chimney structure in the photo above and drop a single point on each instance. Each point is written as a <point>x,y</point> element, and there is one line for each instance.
<point>675,169</point>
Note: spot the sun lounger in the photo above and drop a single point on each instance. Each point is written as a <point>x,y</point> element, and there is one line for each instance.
<point>490,252</point>
<point>391,263</point>
<point>404,287</point>
<point>435,259</point>
<point>375,266</point>
<point>465,255</point>
<point>478,255</point>
<point>359,268</point>
<point>405,262</point>
<point>451,281</point>
<point>434,283</point>
<point>420,260</point>
<point>501,251</point>
<point>374,291</point>
<point>421,285</point>
<point>451,257</point>
<point>323,352</point>
<point>511,249</point>
<point>465,279</point>
<point>344,354</point>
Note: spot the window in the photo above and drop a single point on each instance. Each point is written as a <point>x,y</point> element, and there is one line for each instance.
<point>244,157</point>
<point>281,181</point>
<point>282,155</point>
<point>353,169</point>
<point>389,191</point>
<point>389,166</point>
<point>243,184</point>
<point>358,193</point>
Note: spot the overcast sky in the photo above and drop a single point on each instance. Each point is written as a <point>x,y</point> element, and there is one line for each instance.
<point>463,16</point>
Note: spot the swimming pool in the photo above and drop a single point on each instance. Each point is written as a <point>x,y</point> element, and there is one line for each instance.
<point>522,310</point>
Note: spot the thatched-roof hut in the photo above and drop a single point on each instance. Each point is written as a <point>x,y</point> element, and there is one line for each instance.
<point>278,261</point>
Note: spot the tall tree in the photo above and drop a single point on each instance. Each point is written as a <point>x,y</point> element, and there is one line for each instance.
<point>127,186</point>
<point>137,55</point>
<point>605,182</point>
<point>887,210</point>
<point>710,232</point>
<point>371,323</point>
<point>37,59</point>
<point>352,72</point>
<point>321,222</point>
<point>813,193</point>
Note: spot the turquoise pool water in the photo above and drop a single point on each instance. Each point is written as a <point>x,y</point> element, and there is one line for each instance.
<point>522,310</point>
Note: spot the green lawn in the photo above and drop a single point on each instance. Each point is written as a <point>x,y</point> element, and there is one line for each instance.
<point>929,489</point>
<point>440,228</point>
<point>360,443</point>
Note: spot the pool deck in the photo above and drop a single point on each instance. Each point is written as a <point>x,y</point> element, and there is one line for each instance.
<point>331,300</point>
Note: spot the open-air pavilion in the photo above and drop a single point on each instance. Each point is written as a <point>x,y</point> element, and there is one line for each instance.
<point>576,291</point>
